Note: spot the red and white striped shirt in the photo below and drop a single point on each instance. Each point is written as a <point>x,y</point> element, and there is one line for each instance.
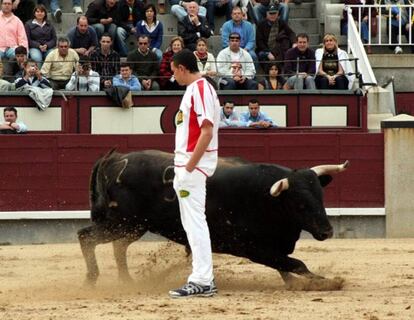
<point>200,103</point>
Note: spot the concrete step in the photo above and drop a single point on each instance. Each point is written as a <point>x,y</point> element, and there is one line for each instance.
<point>68,21</point>
<point>304,10</point>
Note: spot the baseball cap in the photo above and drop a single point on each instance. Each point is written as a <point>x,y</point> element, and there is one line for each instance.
<point>273,8</point>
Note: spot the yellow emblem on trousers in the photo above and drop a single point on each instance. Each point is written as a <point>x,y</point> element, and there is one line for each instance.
<point>184,193</point>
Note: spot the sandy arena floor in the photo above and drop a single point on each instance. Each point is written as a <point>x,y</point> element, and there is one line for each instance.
<point>45,282</point>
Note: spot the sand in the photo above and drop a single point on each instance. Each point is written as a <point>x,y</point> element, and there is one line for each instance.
<point>46,282</point>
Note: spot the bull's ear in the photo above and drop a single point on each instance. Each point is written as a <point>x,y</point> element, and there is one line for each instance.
<point>325,180</point>
<point>279,186</point>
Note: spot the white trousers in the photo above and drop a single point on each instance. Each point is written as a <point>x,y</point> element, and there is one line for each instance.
<point>191,193</point>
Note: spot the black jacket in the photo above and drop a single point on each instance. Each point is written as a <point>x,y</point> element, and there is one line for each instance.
<point>188,31</point>
<point>137,13</point>
<point>97,10</point>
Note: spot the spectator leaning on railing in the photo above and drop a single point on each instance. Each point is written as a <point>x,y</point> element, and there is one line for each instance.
<point>273,80</point>
<point>229,118</point>
<point>11,124</point>
<point>126,79</point>
<point>254,118</point>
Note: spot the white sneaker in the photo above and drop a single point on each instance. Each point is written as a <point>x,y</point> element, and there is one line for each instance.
<point>398,50</point>
<point>77,10</point>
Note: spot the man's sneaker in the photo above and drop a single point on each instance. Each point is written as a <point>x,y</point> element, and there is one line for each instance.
<point>77,10</point>
<point>58,15</point>
<point>192,289</point>
<point>398,50</point>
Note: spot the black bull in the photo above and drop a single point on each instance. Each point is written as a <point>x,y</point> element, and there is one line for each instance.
<point>256,211</point>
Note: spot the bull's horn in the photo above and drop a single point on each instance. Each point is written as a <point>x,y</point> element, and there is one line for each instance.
<point>279,186</point>
<point>330,168</point>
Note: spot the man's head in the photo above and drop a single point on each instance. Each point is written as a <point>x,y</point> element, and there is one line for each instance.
<point>110,3</point>
<point>302,42</point>
<point>234,41</point>
<point>126,71</point>
<point>237,14</point>
<point>143,43</point>
<point>183,64</point>
<point>30,68</point>
<point>85,65</point>
<point>228,107</point>
<point>63,46</point>
<point>6,6</point>
<point>82,24</point>
<point>254,107</point>
<point>10,114</point>
<point>106,42</point>
<point>21,54</point>
<point>192,8</point>
<point>272,13</point>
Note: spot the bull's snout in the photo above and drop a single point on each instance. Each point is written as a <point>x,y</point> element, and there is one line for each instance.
<point>325,234</point>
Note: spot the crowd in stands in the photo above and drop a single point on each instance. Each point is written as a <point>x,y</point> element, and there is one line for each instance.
<point>259,48</point>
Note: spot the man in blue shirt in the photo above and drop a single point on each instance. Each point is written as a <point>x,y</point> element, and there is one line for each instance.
<point>126,78</point>
<point>255,118</point>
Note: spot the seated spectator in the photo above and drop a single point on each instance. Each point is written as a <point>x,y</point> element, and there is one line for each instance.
<point>145,64</point>
<point>130,12</point>
<point>193,26</point>
<point>152,27</point>
<point>255,118</point>
<point>400,15</point>
<point>228,116</point>
<point>274,37</point>
<point>272,81</point>
<point>14,34</point>
<point>205,60</point>
<point>236,67</point>
<point>11,124</point>
<point>219,7</point>
<point>41,34</point>
<point>14,68</point>
<point>262,7</point>
<point>105,61</point>
<point>23,9</point>
<point>103,17</point>
<point>59,64</point>
<point>57,12</point>
<point>300,65</point>
<point>243,28</point>
<point>167,80</point>
<point>83,38</point>
<point>363,28</point>
<point>84,79</point>
<point>179,9</point>
<point>126,79</point>
<point>333,69</point>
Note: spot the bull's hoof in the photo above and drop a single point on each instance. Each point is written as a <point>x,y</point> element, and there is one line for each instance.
<point>126,280</point>
<point>90,281</point>
<point>315,284</point>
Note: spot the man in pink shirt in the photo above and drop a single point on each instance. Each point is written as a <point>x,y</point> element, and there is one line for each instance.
<point>12,29</point>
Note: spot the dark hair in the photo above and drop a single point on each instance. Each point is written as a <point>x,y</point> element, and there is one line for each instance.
<point>272,64</point>
<point>40,7</point>
<point>10,109</point>
<point>20,50</point>
<point>150,6</point>
<point>124,65</point>
<point>302,35</point>
<point>63,39</point>
<point>228,101</point>
<point>80,17</point>
<point>253,101</point>
<point>202,40</point>
<point>235,34</point>
<point>144,36</point>
<point>106,34</point>
<point>28,61</point>
<point>237,8</point>
<point>187,59</point>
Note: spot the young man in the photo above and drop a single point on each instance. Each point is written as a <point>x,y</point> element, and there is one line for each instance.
<point>229,117</point>
<point>126,78</point>
<point>10,124</point>
<point>32,76</point>
<point>84,79</point>
<point>255,118</point>
<point>196,146</point>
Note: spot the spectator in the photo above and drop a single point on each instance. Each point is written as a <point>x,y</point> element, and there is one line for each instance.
<point>105,61</point>
<point>59,64</point>
<point>274,37</point>
<point>11,124</point>
<point>236,66</point>
<point>228,116</point>
<point>103,17</point>
<point>167,80</point>
<point>300,65</point>
<point>205,60</point>
<point>400,15</point>
<point>193,26</point>
<point>179,9</point>
<point>262,7</point>
<point>41,34</point>
<point>152,27</point>
<point>220,7</point>
<point>333,67</point>
<point>14,68</point>
<point>255,118</point>
<point>57,12</point>
<point>13,29</point>
<point>126,79</point>
<point>84,79</point>
<point>243,28</point>
<point>83,38</point>
<point>273,80</point>
<point>130,11</point>
<point>23,9</point>
<point>32,76</point>
<point>145,64</point>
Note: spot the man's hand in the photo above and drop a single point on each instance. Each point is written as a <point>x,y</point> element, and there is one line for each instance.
<point>270,56</point>
<point>194,20</point>
<point>43,47</point>
<point>81,51</point>
<point>146,83</point>
<point>107,83</point>
<point>106,21</point>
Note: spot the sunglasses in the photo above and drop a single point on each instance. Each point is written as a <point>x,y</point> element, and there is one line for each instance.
<point>142,42</point>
